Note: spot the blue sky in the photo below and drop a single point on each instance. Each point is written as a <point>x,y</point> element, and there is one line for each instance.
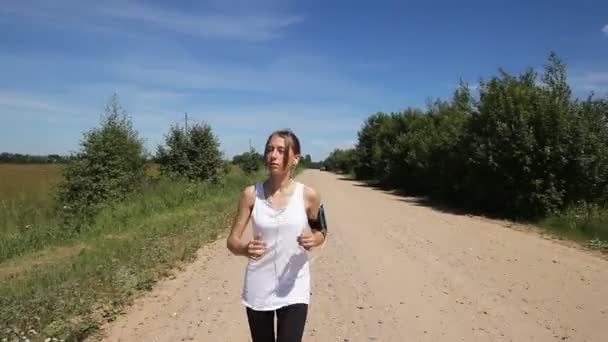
<point>250,67</point>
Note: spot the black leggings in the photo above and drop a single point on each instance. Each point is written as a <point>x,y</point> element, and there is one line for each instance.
<point>290,324</point>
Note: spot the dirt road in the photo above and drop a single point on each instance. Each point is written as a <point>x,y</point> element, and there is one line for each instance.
<point>395,270</point>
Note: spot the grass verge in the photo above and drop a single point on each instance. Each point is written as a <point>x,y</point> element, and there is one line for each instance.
<point>67,291</point>
<point>584,223</point>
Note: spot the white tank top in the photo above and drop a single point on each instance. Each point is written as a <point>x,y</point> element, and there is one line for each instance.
<point>282,276</point>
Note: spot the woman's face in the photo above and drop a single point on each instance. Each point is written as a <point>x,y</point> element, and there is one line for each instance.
<point>275,156</point>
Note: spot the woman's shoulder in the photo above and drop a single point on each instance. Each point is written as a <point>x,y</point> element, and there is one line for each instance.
<point>311,194</point>
<point>249,192</point>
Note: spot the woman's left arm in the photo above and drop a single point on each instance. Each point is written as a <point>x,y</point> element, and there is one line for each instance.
<point>313,204</point>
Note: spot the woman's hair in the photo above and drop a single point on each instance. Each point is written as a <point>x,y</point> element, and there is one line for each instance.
<point>292,143</point>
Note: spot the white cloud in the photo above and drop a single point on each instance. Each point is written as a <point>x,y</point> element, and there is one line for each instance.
<point>598,77</point>
<point>158,80</point>
<point>284,77</point>
<point>605,29</point>
<point>231,26</point>
<point>16,100</point>
<point>37,106</point>
<point>128,17</point>
<point>590,81</point>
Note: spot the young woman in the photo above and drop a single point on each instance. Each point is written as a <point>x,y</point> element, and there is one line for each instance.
<point>277,277</point>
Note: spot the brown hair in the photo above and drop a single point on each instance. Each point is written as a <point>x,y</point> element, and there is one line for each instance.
<point>292,143</point>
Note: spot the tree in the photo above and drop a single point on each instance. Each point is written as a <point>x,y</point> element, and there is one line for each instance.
<point>250,162</point>
<point>191,152</point>
<point>341,161</point>
<point>370,150</point>
<point>531,144</point>
<point>110,164</point>
<point>522,148</point>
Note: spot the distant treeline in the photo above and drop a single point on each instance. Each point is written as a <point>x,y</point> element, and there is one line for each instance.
<point>252,161</point>
<point>18,158</point>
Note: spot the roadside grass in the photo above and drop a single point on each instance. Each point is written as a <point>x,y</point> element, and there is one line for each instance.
<point>67,289</point>
<point>584,223</point>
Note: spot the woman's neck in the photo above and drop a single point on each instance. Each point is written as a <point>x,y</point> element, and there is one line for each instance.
<point>278,183</point>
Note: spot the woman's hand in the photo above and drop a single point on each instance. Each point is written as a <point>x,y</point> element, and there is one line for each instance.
<point>310,240</point>
<point>256,247</point>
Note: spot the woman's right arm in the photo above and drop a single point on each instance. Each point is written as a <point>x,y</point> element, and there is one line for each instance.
<point>235,241</point>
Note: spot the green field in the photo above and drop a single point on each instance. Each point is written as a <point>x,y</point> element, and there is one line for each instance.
<point>26,207</point>
<point>57,283</point>
<point>26,195</point>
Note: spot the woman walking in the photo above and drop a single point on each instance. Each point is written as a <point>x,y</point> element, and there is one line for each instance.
<point>277,277</point>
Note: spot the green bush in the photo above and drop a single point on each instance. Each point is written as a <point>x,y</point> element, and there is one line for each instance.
<point>524,147</point>
<point>586,176</point>
<point>429,152</point>
<point>375,145</point>
<point>341,161</point>
<point>250,162</point>
<point>192,153</point>
<point>110,164</point>
<point>534,149</point>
